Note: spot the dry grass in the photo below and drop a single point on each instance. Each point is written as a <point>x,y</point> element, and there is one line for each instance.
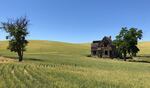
<point>6,60</point>
<point>64,65</point>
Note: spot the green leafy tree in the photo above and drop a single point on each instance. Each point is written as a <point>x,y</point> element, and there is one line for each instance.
<point>17,30</point>
<point>127,41</point>
<point>121,43</point>
<point>133,36</point>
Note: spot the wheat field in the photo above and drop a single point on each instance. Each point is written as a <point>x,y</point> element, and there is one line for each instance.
<point>50,64</point>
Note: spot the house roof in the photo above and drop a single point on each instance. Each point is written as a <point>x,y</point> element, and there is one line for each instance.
<point>97,41</point>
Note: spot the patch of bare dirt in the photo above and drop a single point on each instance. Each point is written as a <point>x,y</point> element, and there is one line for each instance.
<point>6,60</point>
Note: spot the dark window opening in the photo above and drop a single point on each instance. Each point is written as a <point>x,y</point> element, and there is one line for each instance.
<point>105,45</point>
<point>110,53</point>
<point>94,52</point>
<point>106,52</point>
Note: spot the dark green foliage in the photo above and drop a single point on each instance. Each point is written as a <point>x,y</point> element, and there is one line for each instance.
<point>127,41</point>
<point>17,30</point>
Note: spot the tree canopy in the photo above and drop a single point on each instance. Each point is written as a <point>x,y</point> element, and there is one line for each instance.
<point>17,31</point>
<point>127,41</point>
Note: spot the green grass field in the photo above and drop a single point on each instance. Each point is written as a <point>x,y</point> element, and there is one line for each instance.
<point>65,65</point>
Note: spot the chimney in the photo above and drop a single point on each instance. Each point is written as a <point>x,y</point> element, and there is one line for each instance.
<point>110,37</point>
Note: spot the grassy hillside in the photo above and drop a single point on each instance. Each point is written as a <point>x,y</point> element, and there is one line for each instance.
<point>144,47</point>
<point>64,65</point>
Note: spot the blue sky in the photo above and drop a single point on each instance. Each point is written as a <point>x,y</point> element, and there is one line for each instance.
<point>78,20</point>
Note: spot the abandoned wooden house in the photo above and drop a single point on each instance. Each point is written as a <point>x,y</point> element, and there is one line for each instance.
<point>103,48</point>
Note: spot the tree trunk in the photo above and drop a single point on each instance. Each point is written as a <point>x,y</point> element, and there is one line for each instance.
<point>131,56</point>
<point>125,54</point>
<point>20,56</point>
<point>134,54</point>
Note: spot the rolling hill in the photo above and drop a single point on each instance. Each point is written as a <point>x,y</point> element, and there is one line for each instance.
<point>49,64</point>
